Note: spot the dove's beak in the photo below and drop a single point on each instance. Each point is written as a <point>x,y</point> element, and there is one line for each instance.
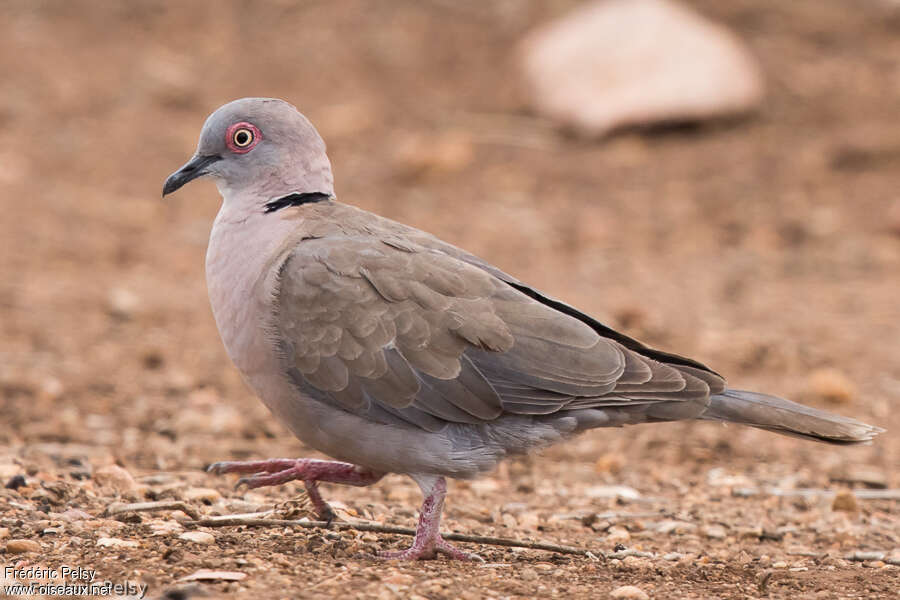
<point>196,167</point>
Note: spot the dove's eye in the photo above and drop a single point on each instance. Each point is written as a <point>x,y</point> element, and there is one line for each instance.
<point>242,137</point>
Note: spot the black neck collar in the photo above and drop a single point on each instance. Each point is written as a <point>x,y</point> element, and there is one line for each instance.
<point>296,200</point>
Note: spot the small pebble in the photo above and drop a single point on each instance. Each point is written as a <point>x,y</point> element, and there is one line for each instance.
<point>210,575</point>
<point>749,532</point>
<point>399,579</point>
<point>22,546</point>
<point>845,501</point>
<point>115,478</point>
<point>198,537</point>
<point>618,535</point>
<point>676,527</point>
<point>15,482</point>
<point>672,556</point>
<point>714,532</point>
<point>629,592</point>
<point>779,565</point>
<point>117,543</point>
<point>863,556</point>
<point>832,386</point>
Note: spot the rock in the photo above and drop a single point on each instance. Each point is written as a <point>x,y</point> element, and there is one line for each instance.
<point>401,579</point>
<point>116,479</point>
<point>779,565</point>
<point>830,385</point>
<point>164,528</point>
<point>618,535</point>
<point>629,592</point>
<point>612,491</point>
<point>210,575</point>
<point>673,556</point>
<point>634,563</point>
<point>122,303</point>
<point>860,556</point>
<point>620,63</point>
<point>22,546</point>
<point>676,527</point>
<point>15,482</point>
<point>116,543</point>
<point>845,501</point>
<point>198,537</point>
<point>509,521</point>
<point>714,532</point>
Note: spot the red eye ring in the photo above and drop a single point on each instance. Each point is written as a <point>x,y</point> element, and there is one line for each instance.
<point>242,137</point>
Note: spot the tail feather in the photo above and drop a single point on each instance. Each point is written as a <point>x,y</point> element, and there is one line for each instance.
<point>787,418</point>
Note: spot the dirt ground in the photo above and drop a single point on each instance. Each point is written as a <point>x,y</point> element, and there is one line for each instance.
<point>767,248</point>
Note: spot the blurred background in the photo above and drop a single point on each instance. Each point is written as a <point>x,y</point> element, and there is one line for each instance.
<point>764,242</point>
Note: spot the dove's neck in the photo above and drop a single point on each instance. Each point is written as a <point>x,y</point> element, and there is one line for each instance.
<point>244,248</point>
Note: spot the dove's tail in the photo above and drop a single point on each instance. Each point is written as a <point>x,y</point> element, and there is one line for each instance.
<point>786,417</point>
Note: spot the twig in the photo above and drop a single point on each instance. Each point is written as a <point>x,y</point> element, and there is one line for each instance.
<point>861,556</point>
<point>118,508</point>
<point>626,553</point>
<point>377,528</point>
<point>815,493</point>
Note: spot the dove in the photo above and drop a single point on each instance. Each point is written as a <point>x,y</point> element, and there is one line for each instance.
<point>392,351</point>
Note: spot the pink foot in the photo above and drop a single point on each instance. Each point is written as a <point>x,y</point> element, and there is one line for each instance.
<point>428,542</point>
<point>308,470</point>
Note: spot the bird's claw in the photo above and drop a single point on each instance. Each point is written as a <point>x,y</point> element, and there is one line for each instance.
<point>429,550</point>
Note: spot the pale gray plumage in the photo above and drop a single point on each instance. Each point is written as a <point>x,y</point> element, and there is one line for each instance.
<point>383,346</point>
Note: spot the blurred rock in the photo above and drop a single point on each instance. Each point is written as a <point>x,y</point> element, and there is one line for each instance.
<point>22,547</point>
<point>116,479</point>
<point>198,537</point>
<point>830,385</point>
<point>612,491</point>
<point>618,535</point>
<point>620,63</point>
<point>845,501</point>
<point>714,532</point>
<point>122,303</point>
<point>210,575</point>
<point>629,592</point>
<point>676,527</point>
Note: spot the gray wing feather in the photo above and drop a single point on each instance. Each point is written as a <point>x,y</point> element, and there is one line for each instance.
<point>401,333</point>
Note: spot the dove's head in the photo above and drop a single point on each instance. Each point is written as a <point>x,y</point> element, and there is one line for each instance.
<point>258,150</point>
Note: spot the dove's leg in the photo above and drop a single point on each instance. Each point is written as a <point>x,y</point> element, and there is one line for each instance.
<point>428,541</point>
<point>309,470</point>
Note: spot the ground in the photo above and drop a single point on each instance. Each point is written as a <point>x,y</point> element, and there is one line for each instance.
<point>768,248</point>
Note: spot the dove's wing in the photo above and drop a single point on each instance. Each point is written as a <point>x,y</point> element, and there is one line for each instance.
<point>399,332</point>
